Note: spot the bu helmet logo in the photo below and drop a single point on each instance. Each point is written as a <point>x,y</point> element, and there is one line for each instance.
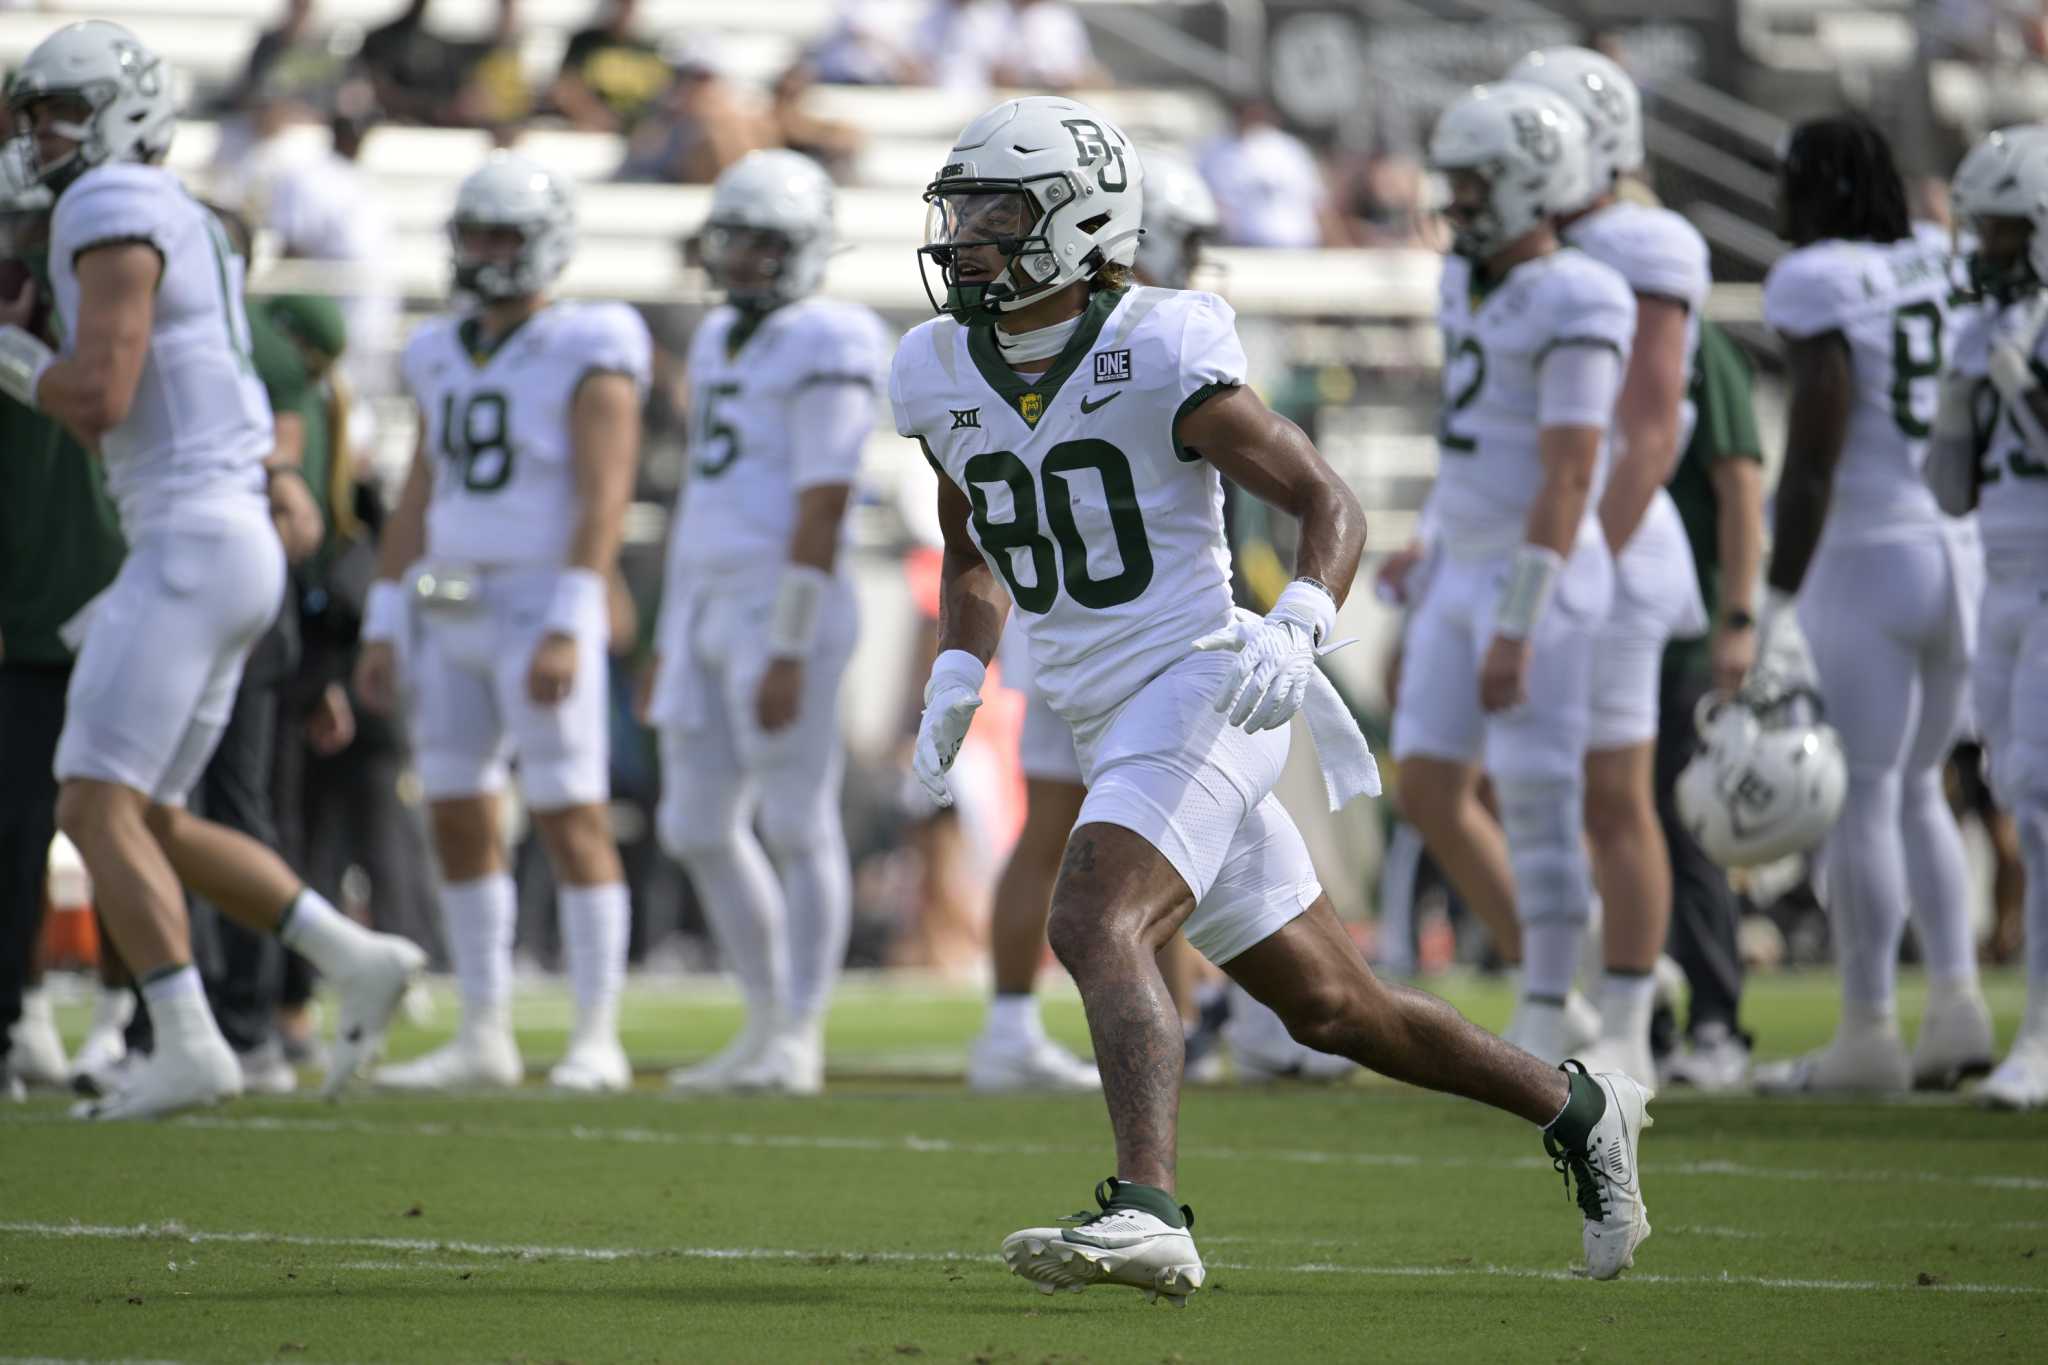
<point>1091,144</point>
<point>1606,97</point>
<point>1538,135</point>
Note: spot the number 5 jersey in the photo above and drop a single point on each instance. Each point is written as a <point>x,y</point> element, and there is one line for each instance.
<point>1106,531</point>
<point>496,424</point>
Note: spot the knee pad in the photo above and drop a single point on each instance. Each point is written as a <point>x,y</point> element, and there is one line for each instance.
<point>1543,819</point>
<point>697,818</point>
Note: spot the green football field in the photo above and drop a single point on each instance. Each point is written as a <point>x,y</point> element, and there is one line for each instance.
<point>1365,1221</point>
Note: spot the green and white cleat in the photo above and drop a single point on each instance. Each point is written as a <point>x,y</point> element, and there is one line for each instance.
<point>1593,1145</point>
<point>1141,1238</point>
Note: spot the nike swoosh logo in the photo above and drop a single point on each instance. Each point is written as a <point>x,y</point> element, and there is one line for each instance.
<point>1087,406</point>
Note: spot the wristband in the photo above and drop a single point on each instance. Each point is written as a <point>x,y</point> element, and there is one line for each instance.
<point>579,600</point>
<point>1528,589</point>
<point>23,359</point>
<point>799,601</point>
<point>956,665</point>
<point>383,612</point>
<point>1309,602</point>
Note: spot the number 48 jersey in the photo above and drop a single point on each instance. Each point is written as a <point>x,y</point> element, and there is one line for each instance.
<point>1107,533</point>
<point>1890,302</point>
<point>496,425</point>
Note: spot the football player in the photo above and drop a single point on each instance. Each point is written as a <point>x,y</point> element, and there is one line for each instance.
<point>492,607</point>
<point>155,373</point>
<point>757,623</point>
<point>1078,428</point>
<point>1991,438</point>
<point>1656,589</point>
<point>1865,567</point>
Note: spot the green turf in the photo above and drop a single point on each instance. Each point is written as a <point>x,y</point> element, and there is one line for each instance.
<point>1339,1224</point>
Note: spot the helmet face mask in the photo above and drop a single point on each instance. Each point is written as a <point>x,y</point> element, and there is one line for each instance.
<point>513,230</point>
<point>1769,779</point>
<point>990,246</point>
<point>90,94</point>
<point>768,237</point>
<point>2000,266</point>
<point>1514,156</point>
<point>2001,191</point>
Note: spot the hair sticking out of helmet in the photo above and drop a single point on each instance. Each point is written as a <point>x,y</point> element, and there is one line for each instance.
<point>768,238</point>
<point>89,94</point>
<point>1837,180</point>
<point>513,230</point>
<point>1037,194</point>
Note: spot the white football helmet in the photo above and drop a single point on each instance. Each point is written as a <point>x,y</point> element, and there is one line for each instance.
<point>1180,213</point>
<point>1036,194</point>
<point>2006,176</point>
<point>771,201</point>
<point>1528,145</point>
<point>1604,97</point>
<point>510,191</point>
<point>126,86</point>
<point>1769,778</point>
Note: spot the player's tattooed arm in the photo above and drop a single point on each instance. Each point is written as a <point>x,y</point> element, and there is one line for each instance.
<point>91,389</point>
<point>972,604</point>
<point>1273,459</point>
<point>1822,386</point>
<point>1646,417</point>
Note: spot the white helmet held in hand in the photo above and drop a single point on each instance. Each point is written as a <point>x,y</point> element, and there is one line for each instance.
<point>510,191</point>
<point>1769,778</point>
<point>126,87</point>
<point>1527,145</point>
<point>1036,194</point>
<point>2006,176</point>
<point>1180,213</point>
<point>1604,97</point>
<point>769,234</point>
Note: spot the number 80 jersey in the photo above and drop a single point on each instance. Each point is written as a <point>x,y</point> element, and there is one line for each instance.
<point>495,425</point>
<point>1107,533</point>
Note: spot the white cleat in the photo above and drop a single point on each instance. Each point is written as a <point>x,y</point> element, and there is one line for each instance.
<point>1002,1066</point>
<point>715,1075</point>
<point>106,1043</point>
<point>1119,1245</point>
<point>35,1050</point>
<point>1865,1062</point>
<point>266,1070</point>
<point>2021,1080</point>
<point>482,1057</point>
<point>595,1065</point>
<point>189,1075</point>
<point>1955,1041</point>
<point>792,1063</point>
<point>1608,1177</point>
<point>1714,1061</point>
<point>368,995</point>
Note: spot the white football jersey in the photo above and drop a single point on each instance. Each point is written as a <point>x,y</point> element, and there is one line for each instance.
<point>1489,467</point>
<point>2012,492</point>
<point>200,424</point>
<point>496,425</point>
<point>1659,254</point>
<point>1890,301</point>
<point>747,458</point>
<point>1107,533</point>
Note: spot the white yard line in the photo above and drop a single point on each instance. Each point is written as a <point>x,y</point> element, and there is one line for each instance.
<point>541,1253</point>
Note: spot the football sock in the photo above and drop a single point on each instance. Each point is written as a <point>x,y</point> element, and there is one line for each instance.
<point>1865,889</point>
<point>597,925</point>
<point>1397,900</point>
<point>1550,957</point>
<point>743,903</point>
<point>321,934</point>
<point>1626,1001</point>
<point>1939,876</point>
<point>817,883</point>
<point>478,917</point>
<point>176,998</point>
<point>1015,1020</point>
<point>2031,815</point>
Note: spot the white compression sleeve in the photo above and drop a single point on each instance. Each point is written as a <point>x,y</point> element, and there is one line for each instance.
<point>1576,386</point>
<point>831,420</point>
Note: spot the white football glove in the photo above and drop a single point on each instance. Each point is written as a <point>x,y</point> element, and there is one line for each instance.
<point>1781,649</point>
<point>951,697</point>
<point>1276,655</point>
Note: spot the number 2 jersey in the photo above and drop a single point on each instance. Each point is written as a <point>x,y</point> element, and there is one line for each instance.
<point>1107,533</point>
<point>1496,338</point>
<point>496,425</point>
<point>748,455</point>
<point>199,427</point>
<point>2012,476</point>
<point>1890,302</point>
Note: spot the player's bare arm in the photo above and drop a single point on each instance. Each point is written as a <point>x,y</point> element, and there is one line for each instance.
<point>91,388</point>
<point>1273,459</point>
<point>1570,455</point>
<point>813,547</point>
<point>403,541</point>
<point>604,432</point>
<point>1822,386</point>
<point>972,603</point>
<point>1739,497</point>
<point>1646,417</point>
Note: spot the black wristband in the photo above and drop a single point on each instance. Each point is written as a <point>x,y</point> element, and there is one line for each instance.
<point>1738,618</point>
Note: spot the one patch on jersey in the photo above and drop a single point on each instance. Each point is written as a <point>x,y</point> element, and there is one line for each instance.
<point>1112,367</point>
<point>1031,407</point>
<point>965,417</point>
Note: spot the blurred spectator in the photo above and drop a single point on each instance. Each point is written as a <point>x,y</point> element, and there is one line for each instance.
<point>422,77</point>
<point>610,75</point>
<point>1382,200</point>
<point>861,49</point>
<point>702,124</point>
<point>829,142</point>
<point>1046,47</point>
<point>960,41</point>
<point>1267,184</point>
<point>293,62</point>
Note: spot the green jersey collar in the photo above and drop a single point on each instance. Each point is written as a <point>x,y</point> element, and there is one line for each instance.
<point>1031,394</point>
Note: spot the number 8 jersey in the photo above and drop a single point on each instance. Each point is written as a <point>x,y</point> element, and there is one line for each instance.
<point>1890,302</point>
<point>496,425</point>
<point>1107,533</point>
